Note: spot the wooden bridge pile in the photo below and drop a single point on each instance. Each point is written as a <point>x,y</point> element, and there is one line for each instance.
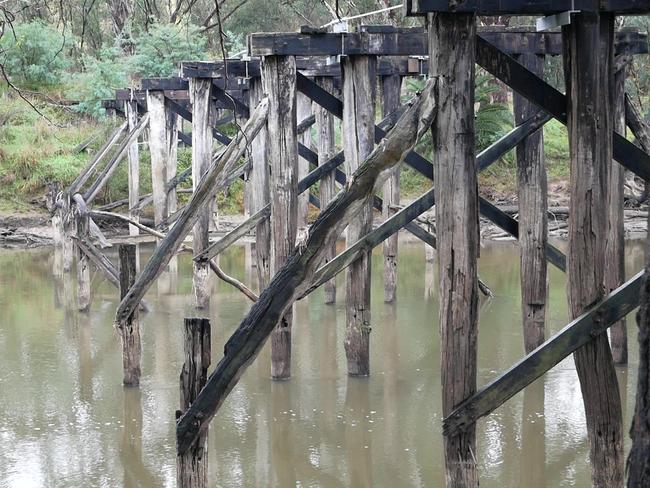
<point>293,81</point>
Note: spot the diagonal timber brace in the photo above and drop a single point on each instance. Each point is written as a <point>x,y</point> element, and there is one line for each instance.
<point>424,167</point>
<point>536,90</point>
<point>577,333</point>
<point>206,189</point>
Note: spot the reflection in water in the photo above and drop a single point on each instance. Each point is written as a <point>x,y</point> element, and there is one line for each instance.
<point>66,420</point>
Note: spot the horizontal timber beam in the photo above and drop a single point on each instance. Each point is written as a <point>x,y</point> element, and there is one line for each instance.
<point>525,7</point>
<point>596,320</point>
<point>413,42</point>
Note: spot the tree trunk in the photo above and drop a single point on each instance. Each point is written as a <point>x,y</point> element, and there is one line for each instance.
<point>358,134</point>
<point>533,220</point>
<point>452,41</point>
<point>588,42</point>
<point>279,79</point>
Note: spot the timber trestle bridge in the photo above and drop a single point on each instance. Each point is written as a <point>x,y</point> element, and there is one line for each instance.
<point>294,84</point>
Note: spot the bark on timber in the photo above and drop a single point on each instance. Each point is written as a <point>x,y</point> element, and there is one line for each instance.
<point>260,196</point>
<point>131,110</point>
<point>533,219</point>
<point>163,142</point>
<point>588,42</point>
<point>452,40</point>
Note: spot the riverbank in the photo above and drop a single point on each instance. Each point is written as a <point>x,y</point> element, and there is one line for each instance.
<point>34,229</point>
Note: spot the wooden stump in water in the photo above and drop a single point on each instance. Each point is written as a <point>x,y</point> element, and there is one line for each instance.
<point>279,79</point>
<point>129,329</point>
<point>358,134</point>
<point>192,465</point>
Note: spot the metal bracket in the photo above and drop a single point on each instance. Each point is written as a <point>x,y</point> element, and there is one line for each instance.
<point>556,20</point>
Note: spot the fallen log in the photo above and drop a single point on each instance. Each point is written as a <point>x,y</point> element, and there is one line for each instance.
<point>296,274</point>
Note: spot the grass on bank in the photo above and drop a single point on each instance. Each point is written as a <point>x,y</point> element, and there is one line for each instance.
<point>34,152</point>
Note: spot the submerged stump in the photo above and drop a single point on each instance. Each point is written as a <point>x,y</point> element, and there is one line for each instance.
<point>192,465</point>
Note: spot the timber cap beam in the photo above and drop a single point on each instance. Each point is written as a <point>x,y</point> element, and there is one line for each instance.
<point>413,42</point>
<point>321,66</point>
<point>525,7</point>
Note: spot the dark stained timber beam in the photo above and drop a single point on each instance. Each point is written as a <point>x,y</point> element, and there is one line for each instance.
<point>548,98</point>
<point>328,44</point>
<point>525,7</point>
<point>596,320</point>
<point>373,239</point>
<point>401,42</point>
<point>424,167</point>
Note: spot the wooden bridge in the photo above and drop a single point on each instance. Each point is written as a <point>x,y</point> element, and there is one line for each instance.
<point>270,95</point>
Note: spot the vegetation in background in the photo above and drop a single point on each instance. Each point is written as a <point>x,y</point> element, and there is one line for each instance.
<point>77,51</point>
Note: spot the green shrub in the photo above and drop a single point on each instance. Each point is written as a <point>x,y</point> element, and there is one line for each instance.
<point>158,52</point>
<point>101,77</point>
<point>35,56</point>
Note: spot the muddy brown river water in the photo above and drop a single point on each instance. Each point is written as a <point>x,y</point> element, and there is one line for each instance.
<point>66,420</point>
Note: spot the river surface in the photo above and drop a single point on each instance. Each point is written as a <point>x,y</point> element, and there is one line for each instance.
<point>66,420</point>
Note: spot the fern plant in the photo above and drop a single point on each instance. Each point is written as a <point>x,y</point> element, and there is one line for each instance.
<point>491,120</point>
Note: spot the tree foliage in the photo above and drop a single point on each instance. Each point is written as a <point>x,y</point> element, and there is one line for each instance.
<point>158,51</point>
<point>34,54</point>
